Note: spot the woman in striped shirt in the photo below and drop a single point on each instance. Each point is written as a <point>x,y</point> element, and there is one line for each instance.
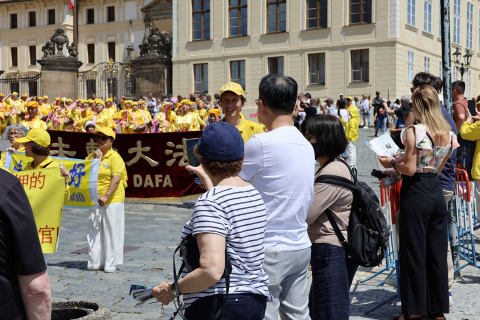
<point>231,215</point>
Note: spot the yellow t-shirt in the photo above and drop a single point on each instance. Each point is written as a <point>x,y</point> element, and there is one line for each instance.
<point>248,128</point>
<point>4,154</point>
<point>50,163</point>
<point>111,164</point>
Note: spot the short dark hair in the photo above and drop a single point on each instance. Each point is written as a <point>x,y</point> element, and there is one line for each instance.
<point>218,168</point>
<point>278,93</point>
<point>329,135</point>
<point>341,104</point>
<point>422,78</point>
<point>39,150</point>
<point>459,85</point>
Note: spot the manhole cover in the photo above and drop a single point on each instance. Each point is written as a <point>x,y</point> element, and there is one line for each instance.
<point>154,269</point>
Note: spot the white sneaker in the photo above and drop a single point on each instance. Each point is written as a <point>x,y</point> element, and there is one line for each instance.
<point>93,269</point>
<point>366,127</point>
<point>107,270</point>
<point>450,298</point>
<point>391,282</point>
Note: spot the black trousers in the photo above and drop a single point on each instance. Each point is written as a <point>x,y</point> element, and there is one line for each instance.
<point>423,245</point>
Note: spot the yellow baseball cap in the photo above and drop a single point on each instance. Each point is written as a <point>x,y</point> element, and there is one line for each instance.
<point>216,112</point>
<point>37,135</point>
<point>99,101</point>
<point>349,98</point>
<point>109,100</point>
<point>232,87</point>
<point>32,104</point>
<point>2,95</point>
<point>45,97</point>
<point>24,95</point>
<point>14,93</point>
<point>106,131</point>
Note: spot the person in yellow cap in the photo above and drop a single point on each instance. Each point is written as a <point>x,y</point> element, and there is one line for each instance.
<point>137,119</point>
<point>24,98</point>
<point>232,100</point>
<point>101,118</point>
<point>12,133</point>
<point>215,115</point>
<point>59,120</point>
<point>106,224</point>
<point>168,113</point>
<point>31,119</point>
<point>201,110</point>
<point>111,109</point>
<point>37,146</point>
<point>4,114</point>
<point>43,108</point>
<point>185,120</point>
<point>123,123</point>
<point>16,108</point>
<point>189,110</point>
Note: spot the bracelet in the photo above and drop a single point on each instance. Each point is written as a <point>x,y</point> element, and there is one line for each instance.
<point>393,165</point>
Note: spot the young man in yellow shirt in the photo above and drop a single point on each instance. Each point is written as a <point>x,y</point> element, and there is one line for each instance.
<point>232,100</point>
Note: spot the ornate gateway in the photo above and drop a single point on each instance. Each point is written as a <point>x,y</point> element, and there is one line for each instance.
<point>107,80</point>
<point>22,82</point>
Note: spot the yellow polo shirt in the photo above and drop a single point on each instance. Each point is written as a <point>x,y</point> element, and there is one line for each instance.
<point>111,164</point>
<point>248,128</point>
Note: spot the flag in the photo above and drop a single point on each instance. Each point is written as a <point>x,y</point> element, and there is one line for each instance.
<point>72,4</point>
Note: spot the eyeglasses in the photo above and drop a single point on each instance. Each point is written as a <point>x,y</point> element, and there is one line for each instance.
<point>15,133</point>
<point>103,138</point>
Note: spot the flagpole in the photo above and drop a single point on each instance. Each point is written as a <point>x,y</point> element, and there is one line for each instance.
<point>75,24</point>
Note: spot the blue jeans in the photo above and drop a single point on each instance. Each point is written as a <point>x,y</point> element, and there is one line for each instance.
<point>332,275</point>
<point>369,117</point>
<point>381,123</point>
<point>245,306</point>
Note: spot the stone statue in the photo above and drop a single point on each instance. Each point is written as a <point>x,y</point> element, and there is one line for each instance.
<point>72,50</point>
<point>143,48</point>
<point>154,41</point>
<point>48,49</point>
<point>166,47</point>
<point>59,39</point>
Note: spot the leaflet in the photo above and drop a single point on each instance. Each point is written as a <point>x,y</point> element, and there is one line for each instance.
<point>383,146</point>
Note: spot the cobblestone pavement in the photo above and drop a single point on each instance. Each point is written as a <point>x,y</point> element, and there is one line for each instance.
<point>153,231</point>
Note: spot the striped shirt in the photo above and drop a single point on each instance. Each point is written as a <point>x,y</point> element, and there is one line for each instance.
<point>239,215</point>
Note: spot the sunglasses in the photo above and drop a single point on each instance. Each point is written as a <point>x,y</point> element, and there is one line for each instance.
<point>103,138</point>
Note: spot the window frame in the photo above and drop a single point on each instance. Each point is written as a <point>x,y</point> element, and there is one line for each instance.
<point>318,69</point>
<point>239,79</point>
<point>33,88</point>
<point>14,58</point>
<point>91,49</point>
<point>361,65</point>
<point>12,15</point>
<point>239,17</point>
<point>108,14</point>
<point>427,16</point>
<point>317,18</point>
<point>33,60</point>
<point>361,12</point>
<point>30,14</point>
<point>87,12</point>
<point>277,3</point>
<point>202,83</point>
<point>202,22</point>
<point>412,13</point>
<point>426,64</point>
<point>469,30</point>
<point>410,66</point>
<point>110,43</point>
<point>52,20</point>
<point>277,64</point>
<point>457,18</point>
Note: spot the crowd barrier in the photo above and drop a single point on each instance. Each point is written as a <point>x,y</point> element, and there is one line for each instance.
<point>467,220</point>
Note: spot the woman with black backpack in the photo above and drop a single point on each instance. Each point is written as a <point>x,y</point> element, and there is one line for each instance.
<point>332,272</point>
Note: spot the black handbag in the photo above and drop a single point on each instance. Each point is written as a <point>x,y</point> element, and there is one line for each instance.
<point>191,260</point>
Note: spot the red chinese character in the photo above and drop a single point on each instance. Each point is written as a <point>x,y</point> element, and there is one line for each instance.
<point>46,234</point>
<point>23,179</point>
<point>34,179</point>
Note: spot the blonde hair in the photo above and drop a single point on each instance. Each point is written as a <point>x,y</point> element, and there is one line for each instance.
<point>426,107</point>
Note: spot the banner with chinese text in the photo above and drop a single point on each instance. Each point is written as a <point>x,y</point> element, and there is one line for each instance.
<point>82,180</point>
<point>45,189</point>
<point>155,162</point>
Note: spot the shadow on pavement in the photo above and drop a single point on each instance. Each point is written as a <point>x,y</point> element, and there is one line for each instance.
<point>81,265</point>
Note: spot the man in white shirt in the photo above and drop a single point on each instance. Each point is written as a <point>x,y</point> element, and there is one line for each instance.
<point>152,104</point>
<point>271,165</point>
<point>365,110</point>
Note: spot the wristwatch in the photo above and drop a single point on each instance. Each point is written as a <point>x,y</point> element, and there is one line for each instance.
<point>393,165</point>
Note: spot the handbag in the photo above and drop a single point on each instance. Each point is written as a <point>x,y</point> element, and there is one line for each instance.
<point>191,260</point>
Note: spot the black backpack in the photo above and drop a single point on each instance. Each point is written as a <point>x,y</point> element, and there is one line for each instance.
<point>367,230</point>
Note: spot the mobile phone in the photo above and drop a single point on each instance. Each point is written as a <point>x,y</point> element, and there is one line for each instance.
<point>192,158</point>
<point>472,107</point>
<point>379,174</point>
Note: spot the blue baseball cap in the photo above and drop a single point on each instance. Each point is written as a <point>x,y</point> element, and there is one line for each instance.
<point>221,141</point>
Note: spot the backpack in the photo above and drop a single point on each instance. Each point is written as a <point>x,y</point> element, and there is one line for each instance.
<point>367,230</point>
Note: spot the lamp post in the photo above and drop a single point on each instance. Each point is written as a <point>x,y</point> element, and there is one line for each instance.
<point>463,65</point>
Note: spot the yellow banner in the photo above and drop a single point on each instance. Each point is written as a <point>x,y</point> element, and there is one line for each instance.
<point>82,180</point>
<point>45,189</point>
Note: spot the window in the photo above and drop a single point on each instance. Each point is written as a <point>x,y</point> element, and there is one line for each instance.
<point>426,64</point>
<point>111,50</point>
<point>275,65</point>
<point>32,19</point>
<point>13,21</point>
<point>427,16</point>
<point>360,65</point>
<point>201,19</point>
<point>238,18</point>
<point>470,25</point>
<point>316,67</point>
<point>15,87</point>
<point>456,21</point>
<point>91,52</point>
<point>411,12</point>
<point>455,74</point>
<point>360,11</point>
<point>91,87</point>
<point>32,88</point>
<point>90,16</point>
<point>33,55</point>
<point>201,77</point>
<point>440,69</point>
<point>110,14</point>
<point>316,14</point>
<point>276,16</point>
<point>410,66</point>
<point>237,72</point>
<point>14,53</point>
<point>468,84</point>
<point>51,16</point>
